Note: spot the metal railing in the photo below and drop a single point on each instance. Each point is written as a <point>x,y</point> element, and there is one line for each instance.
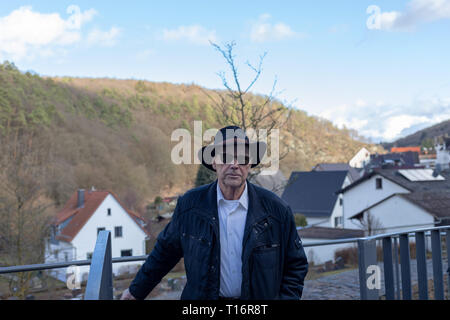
<point>369,277</point>
<point>99,285</point>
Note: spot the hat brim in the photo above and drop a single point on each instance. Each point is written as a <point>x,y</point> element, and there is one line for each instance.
<point>260,148</point>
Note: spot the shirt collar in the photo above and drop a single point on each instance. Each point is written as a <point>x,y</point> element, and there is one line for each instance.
<point>243,200</point>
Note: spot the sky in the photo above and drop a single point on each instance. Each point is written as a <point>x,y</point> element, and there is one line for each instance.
<point>379,67</point>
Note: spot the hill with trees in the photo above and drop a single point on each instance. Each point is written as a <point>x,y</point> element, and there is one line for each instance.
<point>116,134</point>
<point>424,137</point>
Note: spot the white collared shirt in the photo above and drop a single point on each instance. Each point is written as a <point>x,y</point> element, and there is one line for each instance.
<point>232,216</point>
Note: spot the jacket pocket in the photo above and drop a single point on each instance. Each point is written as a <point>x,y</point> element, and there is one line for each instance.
<point>196,252</point>
<point>266,256</point>
<point>265,273</point>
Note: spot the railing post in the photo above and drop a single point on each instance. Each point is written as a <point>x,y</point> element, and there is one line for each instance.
<point>421,256</point>
<point>397,272</point>
<point>99,285</point>
<point>436,252</point>
<point>405,265</point>
<point>369,273</point>
<point>447,243</point>
<point>388,269</point>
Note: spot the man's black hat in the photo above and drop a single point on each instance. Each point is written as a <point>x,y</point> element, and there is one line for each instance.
<point>232,136</point>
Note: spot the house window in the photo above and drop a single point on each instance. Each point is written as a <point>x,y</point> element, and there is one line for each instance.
<point>55,253</point>
<point>109,211</point>
<point>341,201</point>
<point>66,256</point>
<point>100,229</point>
<point>118,232</point>
<point>338,222</point>
<point>89,255</point>
<point>126,253</point>
<point>379,183</point>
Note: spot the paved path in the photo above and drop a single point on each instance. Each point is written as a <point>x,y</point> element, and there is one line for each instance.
<point>341,286</point>
<point>345,285</point>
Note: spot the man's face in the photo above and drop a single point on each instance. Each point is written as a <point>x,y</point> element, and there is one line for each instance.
<point>229,172</point>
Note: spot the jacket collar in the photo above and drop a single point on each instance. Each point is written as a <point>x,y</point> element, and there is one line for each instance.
<point>243,200</point>
<point>256,210</point>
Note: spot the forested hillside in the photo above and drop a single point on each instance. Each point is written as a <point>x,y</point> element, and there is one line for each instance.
<point>424,137</point>
<point>115,134</point>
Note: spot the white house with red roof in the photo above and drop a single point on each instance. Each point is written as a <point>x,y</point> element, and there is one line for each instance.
<point>75,229</point>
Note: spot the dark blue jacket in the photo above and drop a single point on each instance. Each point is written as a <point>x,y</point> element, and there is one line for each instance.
<point>274,264</point>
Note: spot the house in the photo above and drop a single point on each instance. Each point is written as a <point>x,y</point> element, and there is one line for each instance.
<point>353,173</point>
<point>407,159</point>
<point>406,149</point>
<point>398,199</point>
<point>321,254</point>
<point>428,160</point>
<point>442,148</point>
<point>76,225</point>
<point>313,194</point>
<point>360,159</point>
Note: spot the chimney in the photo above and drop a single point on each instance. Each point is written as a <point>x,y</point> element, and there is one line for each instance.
<point>80,202</point>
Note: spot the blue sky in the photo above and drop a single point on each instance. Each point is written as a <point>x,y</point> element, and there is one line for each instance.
<point>380,67</point>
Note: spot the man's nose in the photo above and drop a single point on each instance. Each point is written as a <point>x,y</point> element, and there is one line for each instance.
<point>235,163</point>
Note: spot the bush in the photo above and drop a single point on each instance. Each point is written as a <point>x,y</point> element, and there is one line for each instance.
<point>158,200</point>
<point>300,220</point>
<point>349,255</point>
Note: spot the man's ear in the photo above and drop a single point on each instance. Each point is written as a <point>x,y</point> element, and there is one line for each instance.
<point>213,164</point>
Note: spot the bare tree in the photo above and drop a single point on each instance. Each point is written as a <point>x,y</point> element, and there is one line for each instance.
<point>371,224</point>
<point>237,106</point>
<point>24,215</point>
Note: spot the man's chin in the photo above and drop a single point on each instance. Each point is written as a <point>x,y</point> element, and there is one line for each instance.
<point>233,182</point>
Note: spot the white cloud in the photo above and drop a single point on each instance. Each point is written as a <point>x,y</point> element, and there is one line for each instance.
<point>194,34</point>
<point>416,12</point>
<point>381,121</point>
<point>103,38</point>
<point>25,33</point>
<point>263,30</point>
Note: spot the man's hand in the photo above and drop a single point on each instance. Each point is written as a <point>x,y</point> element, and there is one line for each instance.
<point>126,295</point>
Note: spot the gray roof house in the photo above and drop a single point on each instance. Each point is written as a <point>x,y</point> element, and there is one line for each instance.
<point>399,198</point>
<point>353,173</point>
<point>313,194</point>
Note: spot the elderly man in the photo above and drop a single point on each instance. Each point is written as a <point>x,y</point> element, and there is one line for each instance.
<point>239,241</point>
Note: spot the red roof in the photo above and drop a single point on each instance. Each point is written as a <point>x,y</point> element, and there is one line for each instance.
<point>405,149</point>
<point>92,200</point>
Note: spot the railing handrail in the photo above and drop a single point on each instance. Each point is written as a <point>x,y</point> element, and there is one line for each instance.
<point>57,265</point>
<point>374,237</point>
